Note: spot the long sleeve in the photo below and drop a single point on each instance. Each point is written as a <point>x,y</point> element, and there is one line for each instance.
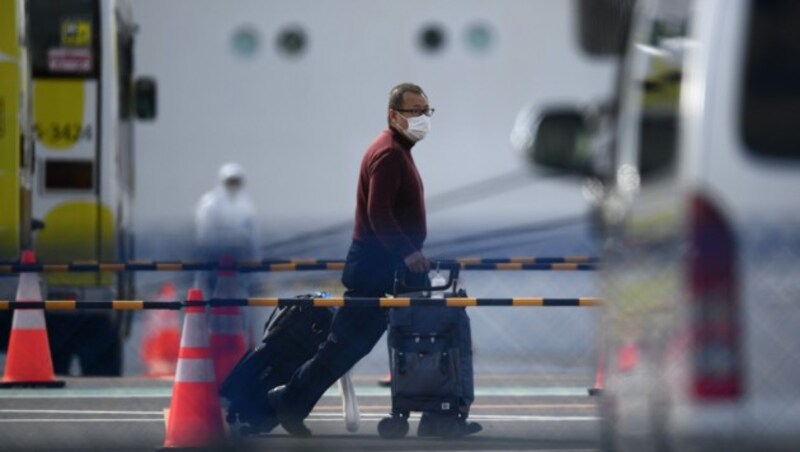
<point>384,183</point>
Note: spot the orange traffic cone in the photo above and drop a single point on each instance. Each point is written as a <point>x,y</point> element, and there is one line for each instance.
<point>627,356</point>
<point>228,343</point>
<point>598,379</point>
<point>162,337</point>
<point>29,363</point>
<point>195,416</point>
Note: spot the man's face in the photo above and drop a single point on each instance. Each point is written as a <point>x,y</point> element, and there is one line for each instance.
<point>411,101</point>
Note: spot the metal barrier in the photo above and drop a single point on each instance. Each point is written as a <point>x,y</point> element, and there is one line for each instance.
<point>568,263</point>
<point>356,302</point>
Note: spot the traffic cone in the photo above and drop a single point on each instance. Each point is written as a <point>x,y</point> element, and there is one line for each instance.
<point>228,343</point>
<point>162,337</point>
<point>386,381</point>
<point>29,363</point>
<point>195,416</point>
<point>627,356</point>
<point>598,379</point>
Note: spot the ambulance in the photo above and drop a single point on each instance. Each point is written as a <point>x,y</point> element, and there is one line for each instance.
<point>67,103</point>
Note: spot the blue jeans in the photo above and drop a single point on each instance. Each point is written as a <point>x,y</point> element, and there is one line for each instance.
<point>369,272</point>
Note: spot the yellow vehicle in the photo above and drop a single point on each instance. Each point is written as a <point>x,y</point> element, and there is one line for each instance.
<point>67,101</point>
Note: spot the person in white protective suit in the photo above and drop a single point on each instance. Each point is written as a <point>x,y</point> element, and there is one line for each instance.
<point>225,224</point>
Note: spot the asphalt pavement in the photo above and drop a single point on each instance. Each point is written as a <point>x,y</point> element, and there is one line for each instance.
<point>518,412</point>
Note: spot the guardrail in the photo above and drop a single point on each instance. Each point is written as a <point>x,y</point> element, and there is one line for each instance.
<point>568,263</point>
<point>357,302</point>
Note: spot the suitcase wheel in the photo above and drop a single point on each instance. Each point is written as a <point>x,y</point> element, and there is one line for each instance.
<point>393,427</point>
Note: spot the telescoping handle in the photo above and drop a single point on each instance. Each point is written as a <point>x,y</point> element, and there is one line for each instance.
<point>401,284</point>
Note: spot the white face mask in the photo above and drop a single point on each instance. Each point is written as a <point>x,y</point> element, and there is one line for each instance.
<point>418,127</point>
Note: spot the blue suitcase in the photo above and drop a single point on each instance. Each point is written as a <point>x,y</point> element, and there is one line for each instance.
<point>430,359</point>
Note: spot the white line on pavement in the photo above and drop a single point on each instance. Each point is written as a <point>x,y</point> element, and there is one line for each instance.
<point>45,421</point>
<point>11,411</point>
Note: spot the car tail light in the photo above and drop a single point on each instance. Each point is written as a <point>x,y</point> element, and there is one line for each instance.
<point>714,305</point>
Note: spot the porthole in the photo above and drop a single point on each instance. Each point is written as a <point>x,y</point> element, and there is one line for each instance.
<point>292,41</point>
<point>245,41</point>
<point>479,38</point>
<point>432,39</point>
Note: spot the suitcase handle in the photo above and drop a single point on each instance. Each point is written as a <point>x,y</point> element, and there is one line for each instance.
<point>401,272</point>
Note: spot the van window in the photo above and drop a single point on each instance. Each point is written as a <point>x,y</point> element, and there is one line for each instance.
<point>770,112</point>
<point>662,49</point>
<point>64,38</point>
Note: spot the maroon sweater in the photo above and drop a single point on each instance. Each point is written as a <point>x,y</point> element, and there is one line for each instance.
<point>390,205</point>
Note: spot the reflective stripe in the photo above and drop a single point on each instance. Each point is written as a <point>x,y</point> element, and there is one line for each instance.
<point>523,260</point>
<point>461,302</point>
<point>195,371</point>
<point>60,305</point>
<point>335,265</point>
<point>304,261</point>
<point>28,320</point>
<point>5,269</point>
<point>565,266</point>
<point>282,267</point>
<point>169,266</point>
<point>28,288</point>
<point>3,305</point>
<point>395,302</point>
<point>509,266</point>
<point>264,301</point>
<point>112,267</point>
<point>469,260</point>
<point>55,268</point>
<point>527,301</point>
<point>226,324</point>
<point>195,331</point>
<point>589,301</point>
<point>328,302</point>
<point>128,305</point>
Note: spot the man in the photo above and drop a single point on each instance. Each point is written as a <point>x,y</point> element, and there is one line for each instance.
<point>389,231</point>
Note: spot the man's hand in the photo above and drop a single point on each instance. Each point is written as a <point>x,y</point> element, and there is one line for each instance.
<point>417,262</point>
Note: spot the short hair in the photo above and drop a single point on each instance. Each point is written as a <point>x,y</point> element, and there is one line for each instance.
<point>396,94</point>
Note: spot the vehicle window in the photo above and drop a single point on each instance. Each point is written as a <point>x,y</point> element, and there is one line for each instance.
<point>662,49</point>
<point>64,38</point>
<point>770,114</point>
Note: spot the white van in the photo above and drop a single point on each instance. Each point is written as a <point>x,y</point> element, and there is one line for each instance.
<point>694,170</point>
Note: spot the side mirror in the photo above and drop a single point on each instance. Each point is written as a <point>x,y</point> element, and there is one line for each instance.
<point>145,95</point>
<point>562,141</point>
<point>604,25</point>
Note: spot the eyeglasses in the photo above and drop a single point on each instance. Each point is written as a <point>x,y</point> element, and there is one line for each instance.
<point>417,111</point>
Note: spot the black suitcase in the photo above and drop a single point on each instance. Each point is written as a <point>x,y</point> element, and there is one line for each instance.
<point>430,359</point>
<point>292,336</point>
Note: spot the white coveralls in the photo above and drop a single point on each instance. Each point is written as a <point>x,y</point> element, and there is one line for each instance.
<point>225,226</point>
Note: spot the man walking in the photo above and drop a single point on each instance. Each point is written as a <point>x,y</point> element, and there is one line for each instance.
<point>389,231</point>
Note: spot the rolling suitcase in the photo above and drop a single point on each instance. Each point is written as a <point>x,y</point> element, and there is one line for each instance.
<point>292,336</point>
<point>430,360</point>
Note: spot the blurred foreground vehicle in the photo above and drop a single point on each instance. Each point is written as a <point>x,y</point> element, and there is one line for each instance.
<point>694,172</point>
<point>67,104</point>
